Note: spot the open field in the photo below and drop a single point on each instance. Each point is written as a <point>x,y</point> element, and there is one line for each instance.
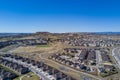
<point>28,76</point>
<point>41,48</point>
<point>34,51</point>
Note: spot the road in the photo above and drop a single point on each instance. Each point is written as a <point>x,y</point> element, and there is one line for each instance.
<point>116,55</point>
<point>32,68</point>
<point>98,59</point>
<point>39,73</point>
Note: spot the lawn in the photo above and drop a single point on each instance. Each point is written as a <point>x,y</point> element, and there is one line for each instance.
<point>28,76</point>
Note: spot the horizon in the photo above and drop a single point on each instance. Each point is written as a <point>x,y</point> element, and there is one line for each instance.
<point>53,32</point>
<point>59,16</point>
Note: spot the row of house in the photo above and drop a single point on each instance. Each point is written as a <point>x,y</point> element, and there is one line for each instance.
<point>4,44</point>
<point>6,75</point>
<point>81,58</point>
<point>71,63</point>
<point>24,42</point>
<point>82,54</point>
<point>88,54</point>
<point>14,66</point>
<point>94,42</point>
<point>31,42</point>
<point>44,67</point>
<point>105,57</point>
<point>107,70</point>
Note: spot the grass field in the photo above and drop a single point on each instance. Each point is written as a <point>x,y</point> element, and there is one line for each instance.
<point>34,51</point>
<point>28,76</point>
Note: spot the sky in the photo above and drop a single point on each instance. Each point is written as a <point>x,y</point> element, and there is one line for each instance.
<point>23,16</point>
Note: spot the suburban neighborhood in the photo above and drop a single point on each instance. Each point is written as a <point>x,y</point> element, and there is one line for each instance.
<point>52,56</point>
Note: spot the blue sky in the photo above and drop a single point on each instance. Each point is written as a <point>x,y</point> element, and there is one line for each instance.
<point>59,15</point>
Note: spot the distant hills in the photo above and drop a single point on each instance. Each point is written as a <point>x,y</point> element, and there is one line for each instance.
<point>24,34</point>
<point>13,34</point>
<point>107,33</point>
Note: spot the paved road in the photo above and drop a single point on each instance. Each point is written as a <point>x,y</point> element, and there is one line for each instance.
<point>32,68</point>
<point>116,55</point>
<point>98,59</point>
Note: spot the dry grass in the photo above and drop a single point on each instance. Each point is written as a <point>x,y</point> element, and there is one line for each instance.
<point>33,77</point>
<point>113,77</point>
<point>34,51</point>
<point>72,73</point>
